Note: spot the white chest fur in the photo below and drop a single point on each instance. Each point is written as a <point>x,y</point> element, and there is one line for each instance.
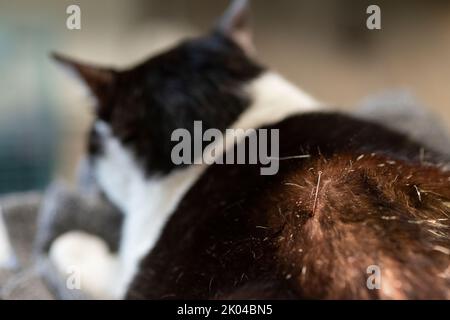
<point>146,202</point>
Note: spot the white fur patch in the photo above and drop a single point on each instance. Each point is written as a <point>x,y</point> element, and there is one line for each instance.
<point>274,99</point>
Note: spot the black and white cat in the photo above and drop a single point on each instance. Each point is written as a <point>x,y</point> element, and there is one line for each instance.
<point>210,79</point>
<point>225,231</point>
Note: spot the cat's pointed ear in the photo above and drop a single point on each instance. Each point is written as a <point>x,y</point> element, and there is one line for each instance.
<point>235,23</point>
<point>99,80</point>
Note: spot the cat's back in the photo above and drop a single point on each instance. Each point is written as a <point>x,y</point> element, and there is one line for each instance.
<point>347,192</point>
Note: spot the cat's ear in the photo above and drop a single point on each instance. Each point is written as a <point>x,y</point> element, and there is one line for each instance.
<point>99,80</point>
<point>235,23</point>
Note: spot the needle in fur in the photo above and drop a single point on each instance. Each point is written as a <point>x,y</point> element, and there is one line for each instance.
<point>317,192</point>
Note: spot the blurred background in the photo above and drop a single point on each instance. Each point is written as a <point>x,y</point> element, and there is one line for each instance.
<point>322,46</point>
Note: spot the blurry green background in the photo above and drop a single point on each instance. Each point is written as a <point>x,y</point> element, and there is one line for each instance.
<point>322,46</point>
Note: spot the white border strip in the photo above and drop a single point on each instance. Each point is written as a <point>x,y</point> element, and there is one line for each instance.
<point>6,251</point>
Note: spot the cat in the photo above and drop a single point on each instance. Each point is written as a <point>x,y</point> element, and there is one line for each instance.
<point>349,194</point>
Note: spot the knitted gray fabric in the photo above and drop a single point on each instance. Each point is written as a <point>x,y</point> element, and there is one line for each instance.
<point>22,281</point>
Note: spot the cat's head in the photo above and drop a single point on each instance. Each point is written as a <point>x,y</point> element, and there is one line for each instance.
<point>199,79</point>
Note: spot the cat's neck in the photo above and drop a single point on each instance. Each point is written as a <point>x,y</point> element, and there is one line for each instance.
<point>273,99</point>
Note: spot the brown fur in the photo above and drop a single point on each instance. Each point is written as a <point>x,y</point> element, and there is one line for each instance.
<point>368,212</point>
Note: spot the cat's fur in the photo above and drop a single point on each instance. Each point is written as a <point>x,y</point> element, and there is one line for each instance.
<point>364,196</point>
<point>295,235</point>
